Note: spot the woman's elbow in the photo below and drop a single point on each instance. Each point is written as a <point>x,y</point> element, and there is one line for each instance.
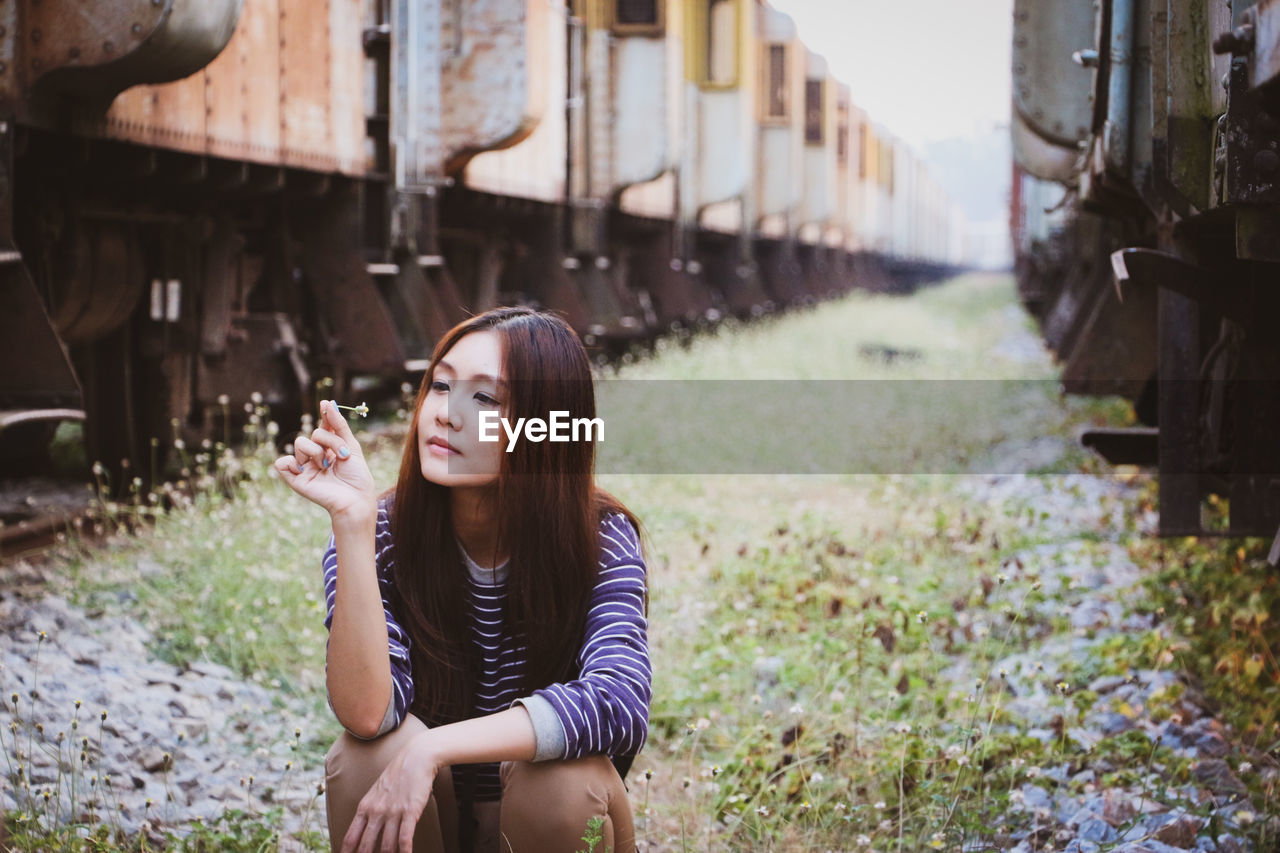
<point>362,725</point>
<point>362,716</point>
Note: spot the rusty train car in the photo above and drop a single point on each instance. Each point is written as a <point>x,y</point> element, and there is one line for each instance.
<point>1146,224</point>
<point>203,199</point>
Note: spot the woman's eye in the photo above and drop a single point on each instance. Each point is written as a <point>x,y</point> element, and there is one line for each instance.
<point>438,385</point>
<point>485,399</point>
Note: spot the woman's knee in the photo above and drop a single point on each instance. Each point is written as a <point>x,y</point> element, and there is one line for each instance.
<point>548,805</point>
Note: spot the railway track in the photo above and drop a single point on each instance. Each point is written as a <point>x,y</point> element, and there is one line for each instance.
<point>35,511</point>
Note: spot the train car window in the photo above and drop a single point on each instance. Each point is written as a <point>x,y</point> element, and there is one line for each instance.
<point>776,83</point>
<point>814,112</point>
<point>722,42</point>
<point>638,17</point>
<point>637,12</point>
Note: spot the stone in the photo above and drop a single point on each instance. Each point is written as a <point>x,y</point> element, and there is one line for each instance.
<point>1179,832</point>
<point>154,759</point>
<point>1034,797</point>
<point>1212,745</point>
<point>1110,722</point>
<point>1117,807</point>
<point>1081,845</point>
<point>1107,683</point>
<point>1215,774</point>
<point>1097,830</point>
<point>1170,734</point>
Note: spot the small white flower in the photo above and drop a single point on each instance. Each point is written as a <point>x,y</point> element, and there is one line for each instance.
<point>1245,766</point>
<point>903,728</point>
<point>879,805</point>
<point>796,709</point>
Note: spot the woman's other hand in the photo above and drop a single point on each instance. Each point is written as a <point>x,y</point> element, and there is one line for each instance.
<point>394,803</point>
<point>328,467</point>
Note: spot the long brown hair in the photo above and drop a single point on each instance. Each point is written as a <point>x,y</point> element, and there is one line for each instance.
<point>549,512</point>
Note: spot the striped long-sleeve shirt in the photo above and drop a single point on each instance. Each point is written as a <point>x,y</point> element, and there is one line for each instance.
<point>604,711</point>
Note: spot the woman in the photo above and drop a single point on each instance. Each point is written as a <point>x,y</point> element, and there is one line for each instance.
<point>488,611</point>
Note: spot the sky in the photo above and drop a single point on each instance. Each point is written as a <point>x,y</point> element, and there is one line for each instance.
<point>928,70</point>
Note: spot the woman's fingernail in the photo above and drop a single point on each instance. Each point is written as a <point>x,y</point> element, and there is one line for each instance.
<point>326,462</point>
<point>343,452</point>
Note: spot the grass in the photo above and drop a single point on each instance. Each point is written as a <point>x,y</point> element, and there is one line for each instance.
<point>827,648</point>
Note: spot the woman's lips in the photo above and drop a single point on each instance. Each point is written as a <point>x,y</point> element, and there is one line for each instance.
<point>440,447</point>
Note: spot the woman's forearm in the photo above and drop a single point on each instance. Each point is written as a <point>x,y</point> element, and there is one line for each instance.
<point>505,736</point>
<point>358,671</point>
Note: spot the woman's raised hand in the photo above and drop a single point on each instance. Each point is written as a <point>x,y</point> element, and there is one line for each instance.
<point>328,467</point>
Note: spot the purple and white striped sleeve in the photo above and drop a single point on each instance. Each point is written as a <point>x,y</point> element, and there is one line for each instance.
<point>605,711</point>
<point>397,637</point>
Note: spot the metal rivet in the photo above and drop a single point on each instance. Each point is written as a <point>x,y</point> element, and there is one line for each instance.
<point>136,28</point>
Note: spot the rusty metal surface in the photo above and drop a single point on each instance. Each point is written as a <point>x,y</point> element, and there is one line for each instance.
<point>417,94</point>
<point>1051,92</point>
<point>495,72</point>
<point>10,90</point>
<point>261,355</point>
<point>287,90</point>
<point>27,338</point>
<point>1195,97</point>
<point>1252,163</point>
<point>305,78</point>
<point>104,48</point>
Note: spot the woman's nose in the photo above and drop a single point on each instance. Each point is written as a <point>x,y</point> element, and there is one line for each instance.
<point>444,419</point>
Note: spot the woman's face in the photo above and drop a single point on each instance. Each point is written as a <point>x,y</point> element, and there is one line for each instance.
<point>467,381</point>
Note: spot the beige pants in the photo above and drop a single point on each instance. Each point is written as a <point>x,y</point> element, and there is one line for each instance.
<point>544,809</point>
